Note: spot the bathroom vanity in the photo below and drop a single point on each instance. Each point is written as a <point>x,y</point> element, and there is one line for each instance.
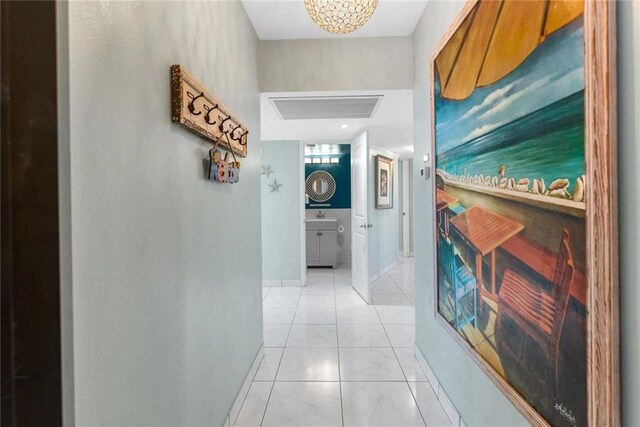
<point>322,242</point>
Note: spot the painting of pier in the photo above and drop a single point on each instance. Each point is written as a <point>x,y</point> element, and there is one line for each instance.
<point>510,197</point>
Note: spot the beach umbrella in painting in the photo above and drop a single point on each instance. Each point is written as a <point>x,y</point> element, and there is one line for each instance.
<point>495,38</point>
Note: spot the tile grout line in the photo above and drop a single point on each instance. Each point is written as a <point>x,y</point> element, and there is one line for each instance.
<point>253,379</point>
<point>244,399</point>
<point>335,302</point>
<point>264,413</point>
<point>406,381</point>
<point>410,391</point>
<point>404,294</point>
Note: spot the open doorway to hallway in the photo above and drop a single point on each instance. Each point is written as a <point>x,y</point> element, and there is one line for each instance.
<point>330,182</point>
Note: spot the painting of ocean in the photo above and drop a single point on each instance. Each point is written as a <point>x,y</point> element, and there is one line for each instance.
<point>547,143</point>
<point>509,198</point>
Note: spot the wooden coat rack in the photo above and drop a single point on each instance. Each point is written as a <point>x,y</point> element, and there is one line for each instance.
<point>196,109</point>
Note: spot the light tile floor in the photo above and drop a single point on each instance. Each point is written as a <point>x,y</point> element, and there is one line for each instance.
<point>332,360</point>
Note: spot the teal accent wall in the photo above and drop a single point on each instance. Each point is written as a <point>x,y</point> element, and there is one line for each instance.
<point>341,172</point>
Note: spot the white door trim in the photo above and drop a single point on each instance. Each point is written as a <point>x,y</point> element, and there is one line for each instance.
<point>360,215</point>
<point>406,208</point>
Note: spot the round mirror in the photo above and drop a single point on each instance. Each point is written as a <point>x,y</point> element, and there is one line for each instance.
<point>321,186</point>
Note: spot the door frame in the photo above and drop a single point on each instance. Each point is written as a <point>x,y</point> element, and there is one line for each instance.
<point>366,297</point>
<point>31,356</point>
<point>303,212</point>
<point>303,204</point>
<point>407,215</point>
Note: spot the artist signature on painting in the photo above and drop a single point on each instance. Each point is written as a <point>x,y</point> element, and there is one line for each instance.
<point>565,412</point>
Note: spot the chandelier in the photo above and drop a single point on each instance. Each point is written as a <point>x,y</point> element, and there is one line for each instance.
<point>340,16</point>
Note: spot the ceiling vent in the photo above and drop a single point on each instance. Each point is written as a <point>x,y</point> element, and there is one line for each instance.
<point>326,107</point>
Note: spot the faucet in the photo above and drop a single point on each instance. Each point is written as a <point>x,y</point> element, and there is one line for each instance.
<point>319,215</point>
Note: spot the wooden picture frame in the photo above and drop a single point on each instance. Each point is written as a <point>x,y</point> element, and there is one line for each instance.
<point>601,222</point>
<point>384,182</point>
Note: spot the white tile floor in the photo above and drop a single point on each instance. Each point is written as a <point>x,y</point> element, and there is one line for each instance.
<point>332,360</point>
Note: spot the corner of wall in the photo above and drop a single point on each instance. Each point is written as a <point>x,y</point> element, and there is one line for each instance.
<point>244,389</point>
<point>447,404</point>
<point>64,194</point>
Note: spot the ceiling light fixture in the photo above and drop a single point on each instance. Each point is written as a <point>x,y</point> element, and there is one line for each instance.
<point>344,126</point>
<point>340,16</point>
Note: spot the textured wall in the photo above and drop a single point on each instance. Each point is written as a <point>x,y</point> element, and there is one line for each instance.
<point>341,64</point>
<point>167,311</point>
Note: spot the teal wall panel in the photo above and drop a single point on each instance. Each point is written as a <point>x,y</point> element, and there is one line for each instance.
<point>341,172</point>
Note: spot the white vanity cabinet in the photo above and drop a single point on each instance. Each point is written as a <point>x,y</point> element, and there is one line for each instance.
<point>322,243</point>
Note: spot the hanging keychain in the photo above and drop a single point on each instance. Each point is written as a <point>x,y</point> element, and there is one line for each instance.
<point>233,171</point>
<point>219,169</point>
<point>216,172</point>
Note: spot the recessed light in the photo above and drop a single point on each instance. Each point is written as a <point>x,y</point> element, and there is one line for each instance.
<point>344,126</point>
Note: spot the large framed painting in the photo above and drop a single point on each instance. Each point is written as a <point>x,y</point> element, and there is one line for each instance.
<point>525,199</point>
<point>384,182</point>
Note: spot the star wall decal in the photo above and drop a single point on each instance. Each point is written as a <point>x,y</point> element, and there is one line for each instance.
<point>266,170</point>
<point>275,187</point>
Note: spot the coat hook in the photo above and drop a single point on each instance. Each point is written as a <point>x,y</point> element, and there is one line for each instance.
<point>207,117</point>
<point>246,132</point>
<point>222,123</point>
<point>192,107</point>
<point>233,131</point>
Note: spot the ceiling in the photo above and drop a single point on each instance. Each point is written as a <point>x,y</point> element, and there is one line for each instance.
<point>390,126</point>
<point>288,20</point>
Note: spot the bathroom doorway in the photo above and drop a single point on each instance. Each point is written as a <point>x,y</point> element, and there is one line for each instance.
<point>327,204</point>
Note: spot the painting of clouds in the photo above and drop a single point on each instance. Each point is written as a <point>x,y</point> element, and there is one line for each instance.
<point>508,98</point>
<point>534,117</point>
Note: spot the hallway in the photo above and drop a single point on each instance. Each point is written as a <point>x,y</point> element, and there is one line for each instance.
<point>331,359</point>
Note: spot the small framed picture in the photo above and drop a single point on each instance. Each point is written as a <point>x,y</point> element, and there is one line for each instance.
<point>384,182</point>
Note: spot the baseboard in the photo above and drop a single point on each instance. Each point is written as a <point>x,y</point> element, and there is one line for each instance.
<point>242,394</point>
<point>272,283</point>
<point>385,270</point>
<point>388,268</point>
<point>292,283</point>
<point>276,283</point>
<point>447,404</point>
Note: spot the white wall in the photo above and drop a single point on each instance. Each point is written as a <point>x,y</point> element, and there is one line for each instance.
<point>476,398</point>
<point>166,272</point>
<point>340,64</point>
<point>383,237</point>
<point>281,221</point>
